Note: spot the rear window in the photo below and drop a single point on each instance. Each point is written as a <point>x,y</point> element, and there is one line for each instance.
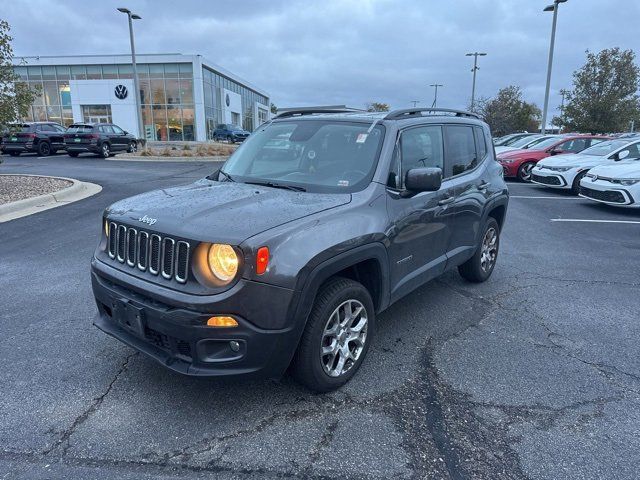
<point>79,129</point>
<point>20,128</point>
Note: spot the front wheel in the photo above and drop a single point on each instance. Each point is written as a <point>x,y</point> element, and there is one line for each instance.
<point>479,267</point>
<point>73,154</point>
<point>337,336</point>
<point>524,172</point>
<point>133,147</point>
<point>14,154</point>
<point>575,186</point>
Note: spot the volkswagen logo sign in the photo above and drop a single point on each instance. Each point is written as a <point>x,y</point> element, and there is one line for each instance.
<point>594,178</point>
<point>121,92</point>
<point>227,100</point>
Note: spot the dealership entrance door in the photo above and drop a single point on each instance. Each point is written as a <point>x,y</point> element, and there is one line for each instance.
<point>96,113</point>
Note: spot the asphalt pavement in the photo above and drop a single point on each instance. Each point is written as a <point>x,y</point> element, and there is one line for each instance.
<point>533,374</point>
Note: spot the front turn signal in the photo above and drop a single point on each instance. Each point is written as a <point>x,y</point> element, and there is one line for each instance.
<point>262,260</point>
<point>221,321</point>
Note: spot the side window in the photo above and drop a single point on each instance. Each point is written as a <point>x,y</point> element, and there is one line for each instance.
<point>41,128</point>
<point>481,144</point>
<point>595,141</point>
<point>106,129</point>
<point>58,128</point>
<point>117,129</point>
<point>418,147</point>
<point>634,151</point>
<point>461,149</point>
<point>576,145</point>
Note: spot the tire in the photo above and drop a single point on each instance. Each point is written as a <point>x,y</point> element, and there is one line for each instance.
<point>14,154</point>
<point>324,373</point>
<point>133,147</point>
<point>479,267</point>
<point>105,150</point>
<point>524,171</point>
<point>230,139</point>
<point>73,154</point>
<point>44,149</point>
<point>216,138</point>
<point>575,186</point>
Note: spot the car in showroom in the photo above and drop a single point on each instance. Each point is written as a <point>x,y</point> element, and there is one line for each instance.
<point>103,139</point>
<point>43,138</point>
<point>229,132</point>
<point>282,258</point>
<point>566,171</point>
<point>617,184</point>
<point>520,163</point>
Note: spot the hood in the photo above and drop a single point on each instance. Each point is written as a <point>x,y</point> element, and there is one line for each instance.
<point>573,160</point>
<point>224,212</point>
<point>628,169</point>
<point>522,153</point>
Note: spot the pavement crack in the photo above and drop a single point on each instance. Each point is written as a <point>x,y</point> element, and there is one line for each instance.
<point>63,441</point>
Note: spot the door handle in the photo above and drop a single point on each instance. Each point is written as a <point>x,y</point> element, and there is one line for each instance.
<point>446,201</point>
<point>484,186</point>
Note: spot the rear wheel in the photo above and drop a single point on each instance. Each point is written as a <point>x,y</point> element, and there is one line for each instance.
<point>524,172</point>
<point>479,267</point>
<point>105,150</point>
<point>337,336</point>
<point>44,149</point>
<point>14,154</point>
<point>575,186</point>
<point>73,154</point>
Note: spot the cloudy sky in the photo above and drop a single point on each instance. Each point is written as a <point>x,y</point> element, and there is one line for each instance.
<point>344,51</point>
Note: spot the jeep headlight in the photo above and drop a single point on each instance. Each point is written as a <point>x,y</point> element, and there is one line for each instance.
<point>223,262</point>
<point>629,181</point>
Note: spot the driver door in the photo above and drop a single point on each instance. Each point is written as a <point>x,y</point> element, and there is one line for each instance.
<point>420,230</point>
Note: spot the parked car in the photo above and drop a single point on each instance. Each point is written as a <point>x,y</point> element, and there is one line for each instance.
<point>523,143</point>
<point>284,256</point>
<point>519,163</point>
<point>566,171</point>
<point>617,184</point>
<point>508,139</point>
<point>43,138</point>
<point>104,139</point>
<point>229,132</point>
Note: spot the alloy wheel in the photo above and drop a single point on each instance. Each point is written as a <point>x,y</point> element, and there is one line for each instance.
<point>526,171</point>
<point>489,250</point>
<point>343,338</point>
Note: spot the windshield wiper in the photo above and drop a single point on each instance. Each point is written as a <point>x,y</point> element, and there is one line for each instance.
<point>226,175</point>
<point>295,188</point>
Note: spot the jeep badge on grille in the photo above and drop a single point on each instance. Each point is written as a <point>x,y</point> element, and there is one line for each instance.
<point>148,220</point>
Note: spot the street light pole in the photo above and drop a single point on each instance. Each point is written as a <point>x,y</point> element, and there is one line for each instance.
<point>550,8</point>
<point>435,97</point>
<point>475,56</point>
<point>136,86</point>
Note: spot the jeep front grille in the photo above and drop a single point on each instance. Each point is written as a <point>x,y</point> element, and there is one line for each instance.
<point>158,255</point>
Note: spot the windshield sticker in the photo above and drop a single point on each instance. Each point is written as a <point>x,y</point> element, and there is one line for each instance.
<point>343,183</point>
<point>311,154</point>
<point>362,137</point>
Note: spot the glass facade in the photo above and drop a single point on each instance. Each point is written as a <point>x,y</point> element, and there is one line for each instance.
<point>166,93</point>
<point>214,83</point>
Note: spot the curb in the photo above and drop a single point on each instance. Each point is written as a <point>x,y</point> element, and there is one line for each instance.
<point>28,206</point>
<point>168,159</point>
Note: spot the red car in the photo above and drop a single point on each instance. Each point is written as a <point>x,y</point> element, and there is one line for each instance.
<point>519,163</point>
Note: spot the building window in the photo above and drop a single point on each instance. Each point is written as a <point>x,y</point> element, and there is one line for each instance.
<point>96,113</point>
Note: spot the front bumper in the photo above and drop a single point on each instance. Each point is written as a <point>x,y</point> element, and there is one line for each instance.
<point>176,335</point>
<point>603,192</point>
<point>510,169</point>
<point>548,178</point>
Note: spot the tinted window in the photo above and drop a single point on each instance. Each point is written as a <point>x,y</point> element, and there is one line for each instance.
<point>47,128</point>
<point>481,144</point>
<point>461,149</point>
<point>574,146</point>
<point>419,147</point>
<point>57,128</point>
<point>634,151</point>
<point>117,130</point>
<point>105,129</point>
<point>79,129</point>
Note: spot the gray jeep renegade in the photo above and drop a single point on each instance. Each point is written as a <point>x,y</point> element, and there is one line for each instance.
<point>282,259</point>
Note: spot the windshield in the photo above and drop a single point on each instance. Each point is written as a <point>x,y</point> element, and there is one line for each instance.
<point>79,129</point>
<point>604,148</point>
<point>546,143</point>
<point>314,155</point>
<point>514,139</point>
<point>523,141</point>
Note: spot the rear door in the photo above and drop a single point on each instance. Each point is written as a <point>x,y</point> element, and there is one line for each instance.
<point>421,223</point>
<point>466,149</point>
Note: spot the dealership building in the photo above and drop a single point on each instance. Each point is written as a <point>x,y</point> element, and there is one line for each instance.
<point>183,97</point>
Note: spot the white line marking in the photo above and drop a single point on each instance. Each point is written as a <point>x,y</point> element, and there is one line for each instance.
<point>582,220</point>
<point>545,198</point>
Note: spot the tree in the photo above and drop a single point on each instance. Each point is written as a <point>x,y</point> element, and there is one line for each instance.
<point>508,112</point>
<point>377,107</point>
<point>604,96</point>
<point>15,96</point>
<point>273,108</point>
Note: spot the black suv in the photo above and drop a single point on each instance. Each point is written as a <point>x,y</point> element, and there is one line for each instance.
<point>231,133</point>
<point>285,255</point>
<point>104,139</point>
<point>43,138</point>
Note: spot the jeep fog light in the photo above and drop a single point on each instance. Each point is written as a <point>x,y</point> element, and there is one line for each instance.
<point>223,262</point>
<point>222,322</point>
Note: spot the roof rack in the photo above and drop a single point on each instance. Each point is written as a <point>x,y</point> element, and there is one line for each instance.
<point>409,112</point>
<point>292,112</point>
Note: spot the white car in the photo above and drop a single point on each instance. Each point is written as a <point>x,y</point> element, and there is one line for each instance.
<point>523,143</point>
<point>617,184</point>
<point>566,171</point>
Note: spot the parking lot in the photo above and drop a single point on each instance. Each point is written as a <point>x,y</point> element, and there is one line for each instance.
<point>533,374</point>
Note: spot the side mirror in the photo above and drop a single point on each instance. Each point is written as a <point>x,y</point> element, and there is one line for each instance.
<point>126,133</point>
<point>622,155</point>
<point>555,151</point>
<point>423,179</point>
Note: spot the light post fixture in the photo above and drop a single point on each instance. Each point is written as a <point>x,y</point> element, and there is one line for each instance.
<point>550,8</point>
<point>132,16</point>
<point>475,68</point>
<point>435,96</point>
<point>415,102</point>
